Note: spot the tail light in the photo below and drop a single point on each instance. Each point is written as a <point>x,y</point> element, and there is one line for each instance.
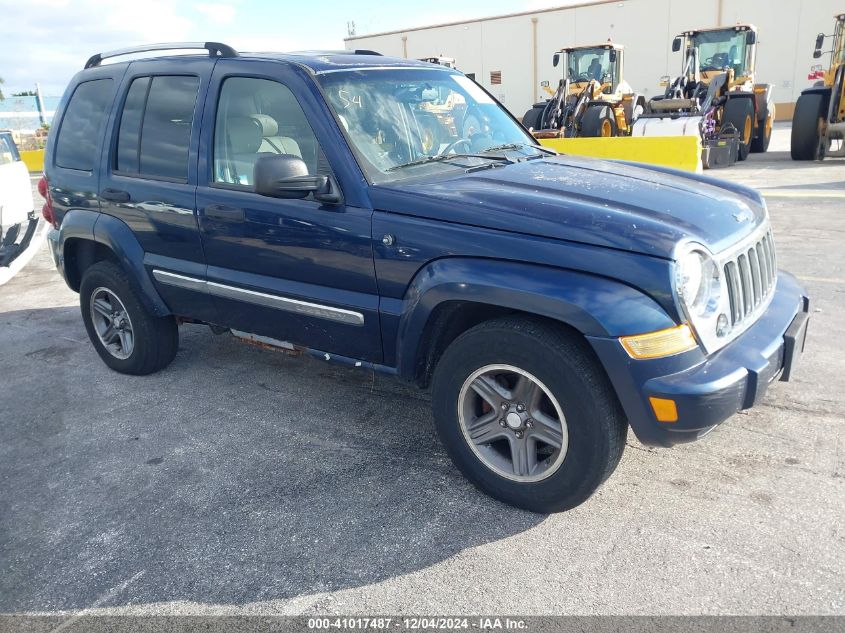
<point>47,209</point>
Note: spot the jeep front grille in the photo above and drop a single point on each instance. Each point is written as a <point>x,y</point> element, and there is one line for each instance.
<point>751,275</point>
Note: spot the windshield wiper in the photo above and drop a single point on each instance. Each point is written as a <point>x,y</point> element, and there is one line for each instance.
<point>442,157</point>
<point>507,146</point>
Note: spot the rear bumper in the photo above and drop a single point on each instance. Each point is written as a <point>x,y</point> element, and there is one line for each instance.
<point>54,242</point>
<point>707,390</point>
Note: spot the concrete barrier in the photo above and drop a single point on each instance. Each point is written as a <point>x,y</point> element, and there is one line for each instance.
<point>679,152</point>
<point>33,159</point>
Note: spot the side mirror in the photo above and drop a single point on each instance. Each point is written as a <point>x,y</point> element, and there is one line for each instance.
<point>819,44</point>
<point>750,38</point>
<point>612,55</point>
<point>816,54</point>
<point>556,59</point>
<point>286,176</point>
<point>676,44</point>
<point>544,84</point>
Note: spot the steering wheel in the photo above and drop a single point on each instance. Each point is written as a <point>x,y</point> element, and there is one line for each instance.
<point>451,146</point>
<point>582,77</point>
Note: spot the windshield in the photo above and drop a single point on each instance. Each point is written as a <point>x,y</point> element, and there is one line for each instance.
<point>590,63</point>
<point>720,50</point>
<point>397,117</point>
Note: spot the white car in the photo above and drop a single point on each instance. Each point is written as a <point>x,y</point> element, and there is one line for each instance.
<point>17,222</point>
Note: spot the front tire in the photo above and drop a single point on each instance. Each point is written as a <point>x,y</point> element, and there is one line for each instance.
<point>599,121</point>
<point>527,414</point>
<point>128,338</point>
<point>739,111</point>
<point>806,142</point>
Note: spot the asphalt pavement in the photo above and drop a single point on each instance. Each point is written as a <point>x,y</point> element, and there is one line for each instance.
<point>244,481</point>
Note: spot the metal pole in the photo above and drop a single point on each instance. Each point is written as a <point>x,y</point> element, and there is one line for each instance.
<point>534,57</point>
<point>39,102</point>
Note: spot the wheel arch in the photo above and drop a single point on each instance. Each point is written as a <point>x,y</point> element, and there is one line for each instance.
<point>451,295</point>
<point>87,237</point>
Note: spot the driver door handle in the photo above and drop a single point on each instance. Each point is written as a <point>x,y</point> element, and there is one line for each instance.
<point>115,195</point>
<point>224,212</point>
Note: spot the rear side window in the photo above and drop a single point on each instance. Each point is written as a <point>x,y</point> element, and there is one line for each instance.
<point>82,125</point>
<point>155,127</point>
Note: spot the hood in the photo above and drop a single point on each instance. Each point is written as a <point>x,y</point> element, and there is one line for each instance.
<point>606,203</point>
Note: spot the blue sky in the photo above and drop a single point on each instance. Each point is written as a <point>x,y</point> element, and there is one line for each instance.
<point>47,41</point>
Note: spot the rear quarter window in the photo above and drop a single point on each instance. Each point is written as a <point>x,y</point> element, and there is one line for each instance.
<point>82,125</point>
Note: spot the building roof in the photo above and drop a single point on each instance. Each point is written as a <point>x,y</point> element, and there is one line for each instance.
<point>584,3</point>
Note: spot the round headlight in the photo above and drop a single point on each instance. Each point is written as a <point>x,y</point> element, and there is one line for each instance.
<point>697,282</point>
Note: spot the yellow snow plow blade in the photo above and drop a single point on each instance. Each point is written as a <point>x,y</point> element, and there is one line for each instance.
<point>679,152</point>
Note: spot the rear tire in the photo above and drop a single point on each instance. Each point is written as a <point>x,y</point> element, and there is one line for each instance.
<point>760,143</point>
<point>599,121</point>
<point>806,143</point>
<point>739,111</point>
<point>567,377</point>
<point>128,338</point>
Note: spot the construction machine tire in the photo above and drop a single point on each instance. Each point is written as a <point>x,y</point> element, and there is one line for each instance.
<point>761,142</point>
<point>532,118</point>
<point>599,121</point>
<point>806,143</point>
<point>739,112</point>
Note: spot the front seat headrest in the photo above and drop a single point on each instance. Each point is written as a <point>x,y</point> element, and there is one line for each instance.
<point>269,126</point>
<point>244,135</point>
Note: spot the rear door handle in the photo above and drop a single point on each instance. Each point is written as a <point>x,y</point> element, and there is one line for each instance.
<point>224,212</point>
<point>115,195</point>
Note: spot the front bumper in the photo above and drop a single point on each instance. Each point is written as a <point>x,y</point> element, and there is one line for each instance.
<point>709,389</point>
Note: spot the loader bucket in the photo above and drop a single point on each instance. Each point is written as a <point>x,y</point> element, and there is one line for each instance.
<point>678,152</point>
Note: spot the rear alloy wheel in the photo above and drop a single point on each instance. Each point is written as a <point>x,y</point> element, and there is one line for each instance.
<point>599,121</point>
<point>527,414</point>
<point>127,336</point>
<point>808,142</point>
<point>739,112</point>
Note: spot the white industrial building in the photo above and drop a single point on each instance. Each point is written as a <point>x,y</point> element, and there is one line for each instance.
<point>511,55</point>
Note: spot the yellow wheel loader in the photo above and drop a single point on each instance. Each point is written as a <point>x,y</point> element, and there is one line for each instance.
<point>818,124</point>
<point>715,97</point>
<point>592,98</point>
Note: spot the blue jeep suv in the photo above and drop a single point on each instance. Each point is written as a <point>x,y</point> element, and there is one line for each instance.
<point>391,215</point>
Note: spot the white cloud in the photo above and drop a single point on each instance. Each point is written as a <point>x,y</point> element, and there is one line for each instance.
<point>48,41</point>
<point>217,12</point>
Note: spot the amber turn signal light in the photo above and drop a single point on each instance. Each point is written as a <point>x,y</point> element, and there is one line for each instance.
<point>673,340</point>
<point>664,409</point>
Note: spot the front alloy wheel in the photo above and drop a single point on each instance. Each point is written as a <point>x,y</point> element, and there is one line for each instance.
<point>512,423</point>
<point>526,412</point>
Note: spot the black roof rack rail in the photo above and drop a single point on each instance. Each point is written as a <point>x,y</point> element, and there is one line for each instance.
<point>364,51</point>
<point>215,49</point>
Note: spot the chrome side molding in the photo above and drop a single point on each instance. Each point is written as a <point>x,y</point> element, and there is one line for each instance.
<point>330,313</point>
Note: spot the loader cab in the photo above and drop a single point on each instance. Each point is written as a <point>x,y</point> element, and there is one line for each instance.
<point>602,63</point>
<point>720,50</point>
